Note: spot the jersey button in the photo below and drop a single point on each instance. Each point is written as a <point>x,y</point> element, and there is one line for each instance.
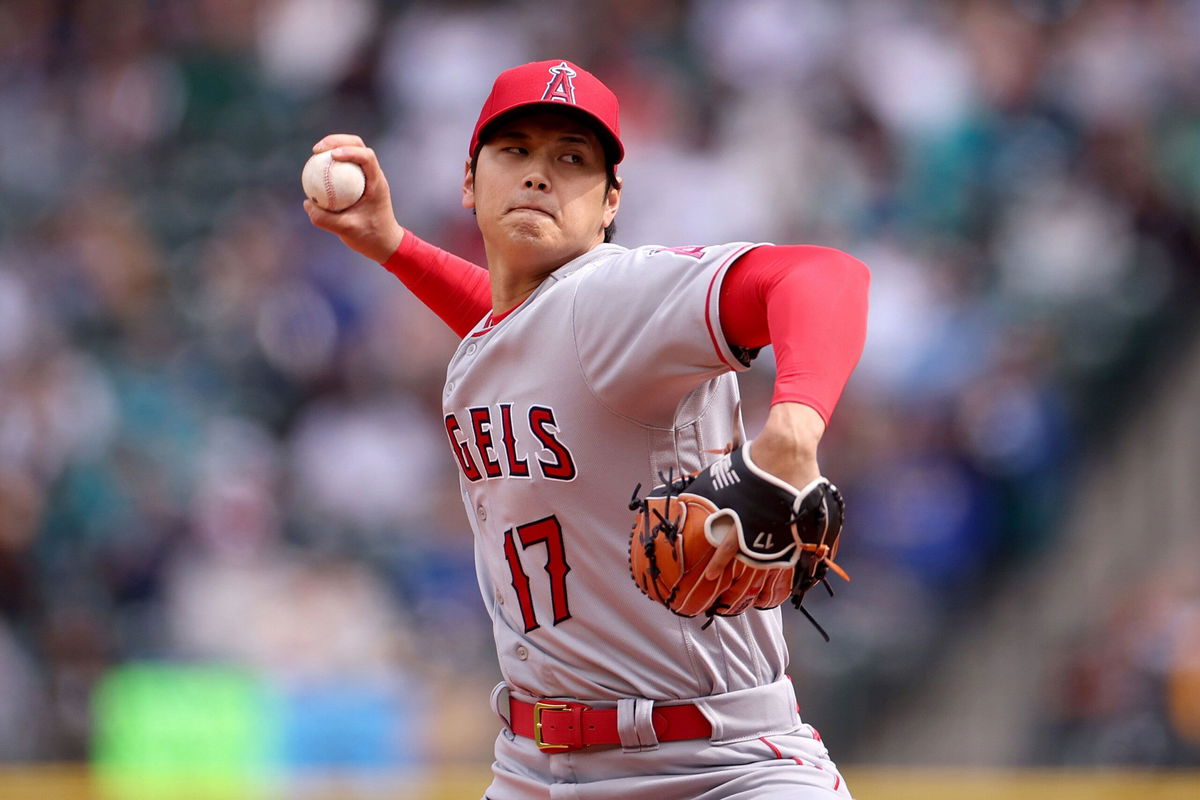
<point>471,348</point>
<point>522,653</point>
<point>449,387</point>
<point>480,511</point>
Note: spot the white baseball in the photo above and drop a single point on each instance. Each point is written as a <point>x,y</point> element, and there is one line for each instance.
<point>333,185</point>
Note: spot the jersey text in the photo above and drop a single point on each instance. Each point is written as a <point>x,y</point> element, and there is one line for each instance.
<point>492,431</point>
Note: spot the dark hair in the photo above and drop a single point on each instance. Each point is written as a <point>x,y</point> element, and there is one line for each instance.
<point>610,178</point>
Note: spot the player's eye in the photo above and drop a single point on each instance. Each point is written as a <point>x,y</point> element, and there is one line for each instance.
<point>518,150</point>
<point>573,158</point>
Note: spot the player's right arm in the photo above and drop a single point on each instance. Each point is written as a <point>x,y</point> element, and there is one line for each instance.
<point>453,288</point>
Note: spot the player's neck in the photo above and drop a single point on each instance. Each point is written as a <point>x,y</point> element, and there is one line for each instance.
<point>515,274</point>
<point>504,302</point>
<point>510,288</point>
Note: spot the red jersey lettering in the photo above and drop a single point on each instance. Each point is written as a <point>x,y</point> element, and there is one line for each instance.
<point>541,422</point>
<point>461,452</point>
<point>481,421</point>
<point>517,467</point>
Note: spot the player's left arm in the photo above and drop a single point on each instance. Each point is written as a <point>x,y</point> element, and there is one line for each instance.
<point>810,304</point>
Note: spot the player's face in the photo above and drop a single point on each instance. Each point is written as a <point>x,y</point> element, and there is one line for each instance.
<point>540,192</point>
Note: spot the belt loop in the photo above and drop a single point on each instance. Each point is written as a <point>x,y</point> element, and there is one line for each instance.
<point>500,705</point>
<point>635,725</point>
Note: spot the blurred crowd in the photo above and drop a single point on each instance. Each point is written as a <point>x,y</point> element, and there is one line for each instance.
<point>1128,690</point>
<point>218,427</point>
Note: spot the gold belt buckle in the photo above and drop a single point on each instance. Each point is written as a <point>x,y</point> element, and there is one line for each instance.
<point>538,708</point>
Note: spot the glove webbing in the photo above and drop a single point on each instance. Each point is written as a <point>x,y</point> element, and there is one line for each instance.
<point>824,563</point>
<point>669,528</point>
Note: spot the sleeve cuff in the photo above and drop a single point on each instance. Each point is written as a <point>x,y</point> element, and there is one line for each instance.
<point>409,244</point>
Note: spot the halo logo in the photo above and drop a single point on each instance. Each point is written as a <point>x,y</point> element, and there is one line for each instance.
<point>560,88</point>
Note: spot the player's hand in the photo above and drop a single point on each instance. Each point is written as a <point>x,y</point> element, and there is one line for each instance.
<point>369,226</point>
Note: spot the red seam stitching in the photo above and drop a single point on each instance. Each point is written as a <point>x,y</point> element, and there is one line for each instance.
<point>778,753</point>
<point>327,179</point>
<point>708,308</point>
<point>708,322</point>
<point>837,781</point>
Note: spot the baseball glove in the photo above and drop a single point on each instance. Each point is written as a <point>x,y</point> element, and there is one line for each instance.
<point>786,539</point>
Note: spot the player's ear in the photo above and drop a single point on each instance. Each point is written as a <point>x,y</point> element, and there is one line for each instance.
<point>468,189</point>
<point>612,202</point>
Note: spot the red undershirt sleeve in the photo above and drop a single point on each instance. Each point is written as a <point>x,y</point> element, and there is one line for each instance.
<point>810,303</point>
<point>453,288</point>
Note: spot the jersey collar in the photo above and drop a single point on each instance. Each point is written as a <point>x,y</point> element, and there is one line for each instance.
<point>574,265</point>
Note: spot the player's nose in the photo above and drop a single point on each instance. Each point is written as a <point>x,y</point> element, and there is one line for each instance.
<point>537,174</point>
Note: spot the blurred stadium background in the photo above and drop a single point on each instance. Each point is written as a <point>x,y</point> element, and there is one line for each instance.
<point>232,556</point>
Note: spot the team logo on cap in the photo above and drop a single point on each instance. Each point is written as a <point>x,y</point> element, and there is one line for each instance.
<point>560,88</point>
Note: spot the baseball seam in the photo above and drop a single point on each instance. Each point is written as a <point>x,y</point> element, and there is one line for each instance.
<point>330,192</point>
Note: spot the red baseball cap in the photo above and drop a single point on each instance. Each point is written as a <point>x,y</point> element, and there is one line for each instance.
<point>560,84</point>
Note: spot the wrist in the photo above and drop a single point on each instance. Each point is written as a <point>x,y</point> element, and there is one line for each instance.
<point>403,247</point>
<point>385,246</point>
<point>787,445</point>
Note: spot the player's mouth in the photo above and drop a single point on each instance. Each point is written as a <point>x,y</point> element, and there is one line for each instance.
<point>531,208</point>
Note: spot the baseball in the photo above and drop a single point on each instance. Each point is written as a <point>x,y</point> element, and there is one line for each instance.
<point>332,185</point>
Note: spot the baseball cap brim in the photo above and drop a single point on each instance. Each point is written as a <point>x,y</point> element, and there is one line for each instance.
<point>613,148</point>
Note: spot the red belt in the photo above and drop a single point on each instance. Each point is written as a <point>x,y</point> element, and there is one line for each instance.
<point>558,726</point>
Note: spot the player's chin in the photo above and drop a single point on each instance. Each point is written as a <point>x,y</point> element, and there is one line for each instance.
<point>530,230</point>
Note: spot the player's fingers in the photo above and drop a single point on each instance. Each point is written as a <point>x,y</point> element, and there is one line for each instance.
<point>365,157</point>
<point>315,213</point>
<point>328,220</point>
<point>359,154</point>
<point>313,210</point>
<point>337,140</point>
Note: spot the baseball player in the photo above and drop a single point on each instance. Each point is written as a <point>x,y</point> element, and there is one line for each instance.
<point>587,369</point>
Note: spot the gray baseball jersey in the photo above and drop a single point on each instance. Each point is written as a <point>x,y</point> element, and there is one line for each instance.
<point>614,370</point>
